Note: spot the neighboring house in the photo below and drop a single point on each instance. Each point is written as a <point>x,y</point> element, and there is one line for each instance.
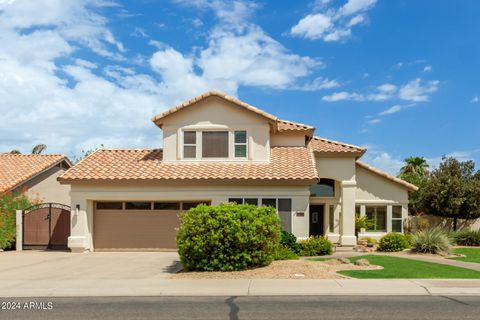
<point>37,174</point>
<point>219,149</point>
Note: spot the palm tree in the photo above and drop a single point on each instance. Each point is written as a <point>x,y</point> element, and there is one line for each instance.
<point>415,165</point>
<point>39,148</point>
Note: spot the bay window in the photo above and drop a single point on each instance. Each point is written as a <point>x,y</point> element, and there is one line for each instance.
<point>378,216</point>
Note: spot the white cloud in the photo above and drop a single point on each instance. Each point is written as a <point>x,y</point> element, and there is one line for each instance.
<point>343,95</point>
<point>417,91</point>
<point>393,109</point>
<point>427,68</point>
<point>332,24</point>
<point>313,26</point>
<point>375,121</point>
<point>382,160</point>
<point>50,95</point>
<point>475,99</point>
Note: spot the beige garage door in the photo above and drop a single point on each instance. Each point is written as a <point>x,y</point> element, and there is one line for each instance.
<point>137,225</point>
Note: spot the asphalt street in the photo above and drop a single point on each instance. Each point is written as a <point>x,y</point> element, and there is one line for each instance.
<point>285,307</point>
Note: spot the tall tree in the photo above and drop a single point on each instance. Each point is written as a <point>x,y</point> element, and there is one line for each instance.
<point>39,148</point>
<point>452,191</point>
<point>415,165</point>
<point>415,172</point>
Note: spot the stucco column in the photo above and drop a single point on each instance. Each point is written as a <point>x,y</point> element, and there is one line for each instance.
<point>348,237</point>
<point>78,240</point>
<point>19,229</point>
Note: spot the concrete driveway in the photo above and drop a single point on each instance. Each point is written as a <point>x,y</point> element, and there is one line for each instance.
<point>55,265</point>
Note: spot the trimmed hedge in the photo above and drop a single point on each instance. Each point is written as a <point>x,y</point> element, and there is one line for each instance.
<point>228,237</point>
<point>392,242</point>
<point>315,246</point>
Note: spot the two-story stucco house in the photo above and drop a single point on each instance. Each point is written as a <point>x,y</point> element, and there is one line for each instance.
<point>218,149</point>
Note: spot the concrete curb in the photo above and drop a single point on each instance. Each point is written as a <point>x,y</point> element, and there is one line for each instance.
<point>237,287</point>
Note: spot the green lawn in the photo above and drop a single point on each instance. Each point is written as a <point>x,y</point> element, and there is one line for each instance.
<point>401,268</point>
<point>471,254</point>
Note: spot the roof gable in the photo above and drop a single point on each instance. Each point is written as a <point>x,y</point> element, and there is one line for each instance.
<point>16,169</point>
<point>159,118</point>
<point>378,172</point>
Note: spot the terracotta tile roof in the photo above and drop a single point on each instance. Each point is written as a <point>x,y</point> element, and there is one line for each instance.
<point>322,145</point>
<point>156,119</point>
<point>285,125</point>
<point>404,183</point>
<point>287,164</point>
<point>16,169</point>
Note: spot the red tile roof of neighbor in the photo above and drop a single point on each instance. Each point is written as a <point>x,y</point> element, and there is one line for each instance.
<point>287,164</point>
<point>16,169</point>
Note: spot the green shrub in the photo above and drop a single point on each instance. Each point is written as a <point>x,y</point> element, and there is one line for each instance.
<point>392,242</point>
<point>467,237</point>
<point>10,202</point>
<point>315,246</point>
<point>284,253</point>
<point>289,240</point>
<point>228,237</point>
<point>431,241</point>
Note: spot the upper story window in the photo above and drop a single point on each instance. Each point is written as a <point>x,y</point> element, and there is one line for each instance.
<point>215,144</point>
<point>190,144</point>
<point>240,144</point>
<point>325,188</point>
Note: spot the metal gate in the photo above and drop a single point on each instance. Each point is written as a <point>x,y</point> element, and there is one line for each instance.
<point>46,226</point>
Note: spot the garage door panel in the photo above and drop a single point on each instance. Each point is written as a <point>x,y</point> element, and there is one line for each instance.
<point>135,229</point>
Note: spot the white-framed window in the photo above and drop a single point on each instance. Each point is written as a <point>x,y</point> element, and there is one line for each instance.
<point>190,144</point>
<point>282,205</point>
<point>240,144</point>
<point>397,221</point>
<point>215,144</point>
<point>378,215</point>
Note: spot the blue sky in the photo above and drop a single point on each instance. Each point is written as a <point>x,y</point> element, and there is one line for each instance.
<point>399,77</point>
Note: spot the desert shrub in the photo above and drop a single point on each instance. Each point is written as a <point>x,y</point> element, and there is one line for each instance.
<point>315,246</point>
<point>284,253</point>
<point>228,237</point>
<point>392,242</point>
<point>9,202</point>
<point>467,237</point>
<point>431,241</point>
<point>289,240</point>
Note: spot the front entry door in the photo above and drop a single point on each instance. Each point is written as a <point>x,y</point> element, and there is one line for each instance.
<point>316,220</point>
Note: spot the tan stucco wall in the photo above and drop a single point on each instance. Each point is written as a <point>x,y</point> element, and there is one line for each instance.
<point>340,169</point>
<point>373,188</point>
<point>46,188</point>
<point>287,139</point>
<point>216,114</point>
<point>84,196</point>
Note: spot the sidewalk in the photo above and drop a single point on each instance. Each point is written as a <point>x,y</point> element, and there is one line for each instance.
<point>238,287</point>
